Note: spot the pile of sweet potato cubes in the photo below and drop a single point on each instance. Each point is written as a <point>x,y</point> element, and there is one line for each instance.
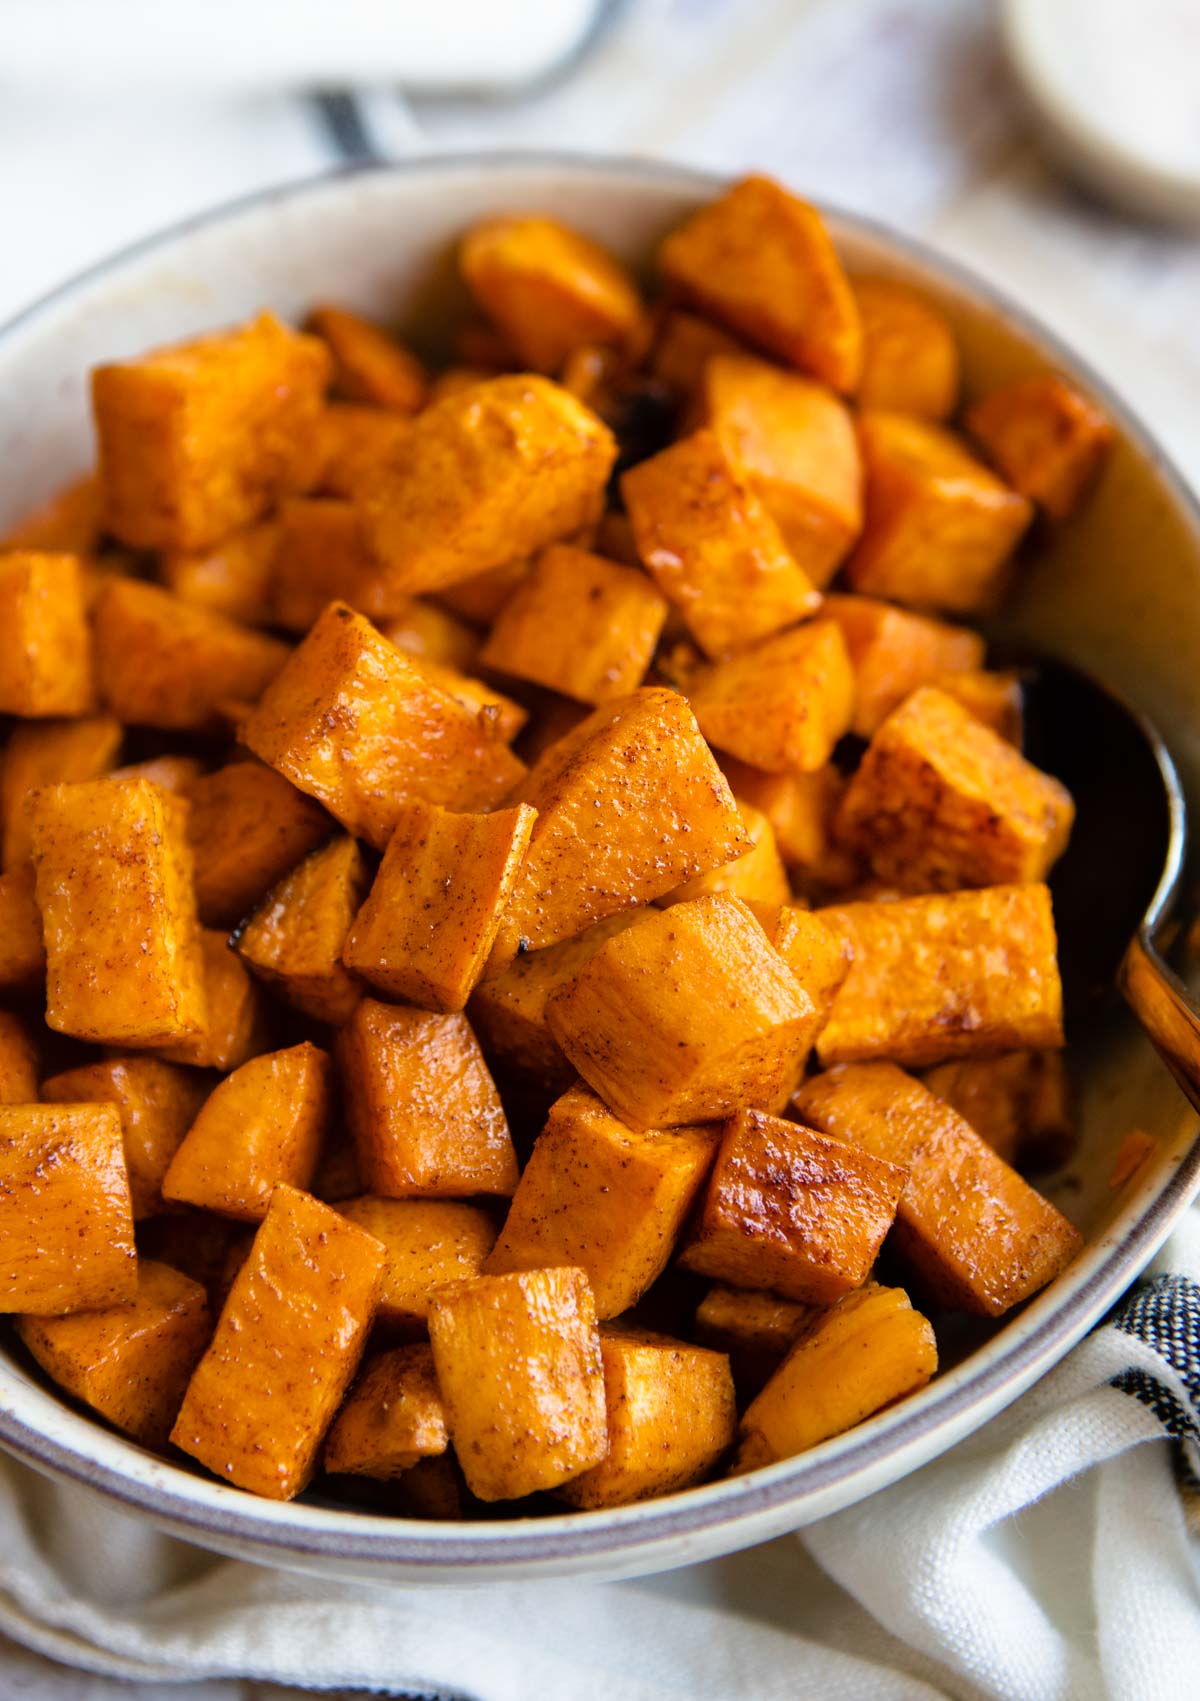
<point>467,876</point>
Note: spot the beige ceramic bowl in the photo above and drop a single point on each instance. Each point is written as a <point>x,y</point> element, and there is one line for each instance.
<point>1119,591</point>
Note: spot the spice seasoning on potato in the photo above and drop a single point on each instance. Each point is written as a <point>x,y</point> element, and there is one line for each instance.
<point>22,954</point>
<point>237,1020</point>
<point>393,1416</point>
<point>293,941</point>
<point>894,651</point>
<point>910,357</point>
<point>1046,438</point>
<point>518,1362</point>
<point>248,827</point>
<point>369,365</point>
<point>503,717</point>
<point>287,1345</point>
<point>45,645</point>
<point>758,876</point>
<point>46,753</point>
<point>429,1242</point>
<point>782,705</point>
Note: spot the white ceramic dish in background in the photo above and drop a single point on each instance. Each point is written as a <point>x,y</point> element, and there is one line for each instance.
<point>1119,591</point>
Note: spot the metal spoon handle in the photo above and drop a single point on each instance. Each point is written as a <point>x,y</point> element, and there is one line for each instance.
<point>1163,1006</point>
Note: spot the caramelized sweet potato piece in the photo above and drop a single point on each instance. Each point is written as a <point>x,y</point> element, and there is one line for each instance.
<point>22,954</point>
<point>598,1195</point>
<point>712,548</point>
<point>234,579</point>
<point>977,1235</point>
<point>46,753</point>
<point>957,975</point>
<point>45,647</point>
<point>129,1362</point>
<point>369,365</point>
<point>65,1219</point>
<point>910,357</point>
<point>1044,437</point>
<point>782,705</point>
<point>248,827</point>
<point>758,876</point>
<point>18,1061</point>
<point>670,1417</point>
<point>355,725</point>
<point>755,1329</point>
<point>294,939</point>
<point>761,261</point>
<point>893,652</point>
<point>502,716</point>
<point>236,1019</point>
<point>286,1348</point>
<point>424,1112</point>
<point>393,1416</point>
<point>197,441</point>
<point>518,1362</point>
<point>431,917</point>
<point>941,801</point>
<point>429,1242</point>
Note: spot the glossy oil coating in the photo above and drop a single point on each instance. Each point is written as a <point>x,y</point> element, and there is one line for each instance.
<point>294,939</point>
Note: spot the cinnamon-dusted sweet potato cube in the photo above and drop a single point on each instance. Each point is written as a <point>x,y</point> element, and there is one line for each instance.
<point>1044,437</point>
<point>712,548</point>
<point>22,954</point>
<point>910,356</point>
<point>354,724</point>
<point>129,1362</point>
<point>18,1061</point>
<point>784,704</point>
<point>294,939</point>
<point>430,919</point>
<point>670,1417</point>
<point>977,1235</point>
<point>114,887</point>
<point>68,521</point>
<point>47,753</point>
<point>580,625</point>
<point>45,646</point>
<point>819,956</point>
<point>761,261</point>
<point>1018,1101</point>
<point>425,1114</point>
<point>996,699</point>
<point>262,1125</point>
<point>369,364</point>
<point>432,634</point>
<point>236,1019</point>
<point>940,527</point>
<point>322,557</point>
<point>756,1329</point>
<point>393,1416</point>
<point>549,289</point>
<point>941,801</point>
<point>960,974</point>
<point>286,1348</point>
<point>157,1102</point>
<point>351,442</point>
<point>870,1350</point>
<point>65,1219</point>
<point>197,441</point>
<point>801,809</point>
<point>630,804</point>
<point>166,663</point>
<point>789,1209</point>
<point>502,716</point>
<point>894,651</point>
<point>248,827</point>
<point>233,579</point>
<point>683,347</point>
<point>483,477</point>
<point>796,441</point>
<point>429,1242</point>
<point>758,876</point>
<point>685,1017</point>
<point>601,1196</point>
<point>481,597</point>
<point>518,1362</point>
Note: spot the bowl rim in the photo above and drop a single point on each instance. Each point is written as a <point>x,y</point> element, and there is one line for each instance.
<point>1035,1340</point>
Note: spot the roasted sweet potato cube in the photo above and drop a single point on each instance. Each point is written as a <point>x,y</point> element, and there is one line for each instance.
<point>502,716</point>
<point>354,724</point>
<point>549,289</point>
<point>893,652</point>
<point>294,939</point>
<point>755,1329</point>
<point>393,1416</point>
<point>236,1020</point>
<point>712,548</point>
<point>818,955</point>
<point>432,634</point>
<point>157,1102</point>
<point>323,557</point>
<point>598,1195</point>
<point>45,646</point>
<point>682,349</point>
<point>69,521</point>
<point>941,801</point>
<point>263,1124</point>
<point>369,365</point>
<point>22,954</point>
<point>670,1417</point>
<point>47,753</point>
<point>939,528</point>
<point>976,1234</point>
<point>761,261</point>
<point>424,1112</point>
<point>352,441</point>
<point>795,440</point>
<point>870,1350</point>
<point>198,441</point>
<point>630,805</point>
<point>65,1219</point>
<point>287,1345</point>
<point>1044,437</point>
<point>163,662</point>
<point>957,975</point>
<point>996,699</point>
<point>172,773</point>
<point>248,827</point>
<point>910,356</point>
<point>431,917</point>
<point>114,887</point>
<point>758,876</point>
<point>791,1210</point>
<point>687,1016</point>
<point>429,1242</point>
<point>1019,1102</point>
<point>579,624</point>
<point>234,579</point>
<point>518,1362</point>
<point>784,704</point>
<point>129,1362</point>
<point>801,809</point>
<point>481,597</point>
<point>18,1061</point>
<point>485,476</point>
